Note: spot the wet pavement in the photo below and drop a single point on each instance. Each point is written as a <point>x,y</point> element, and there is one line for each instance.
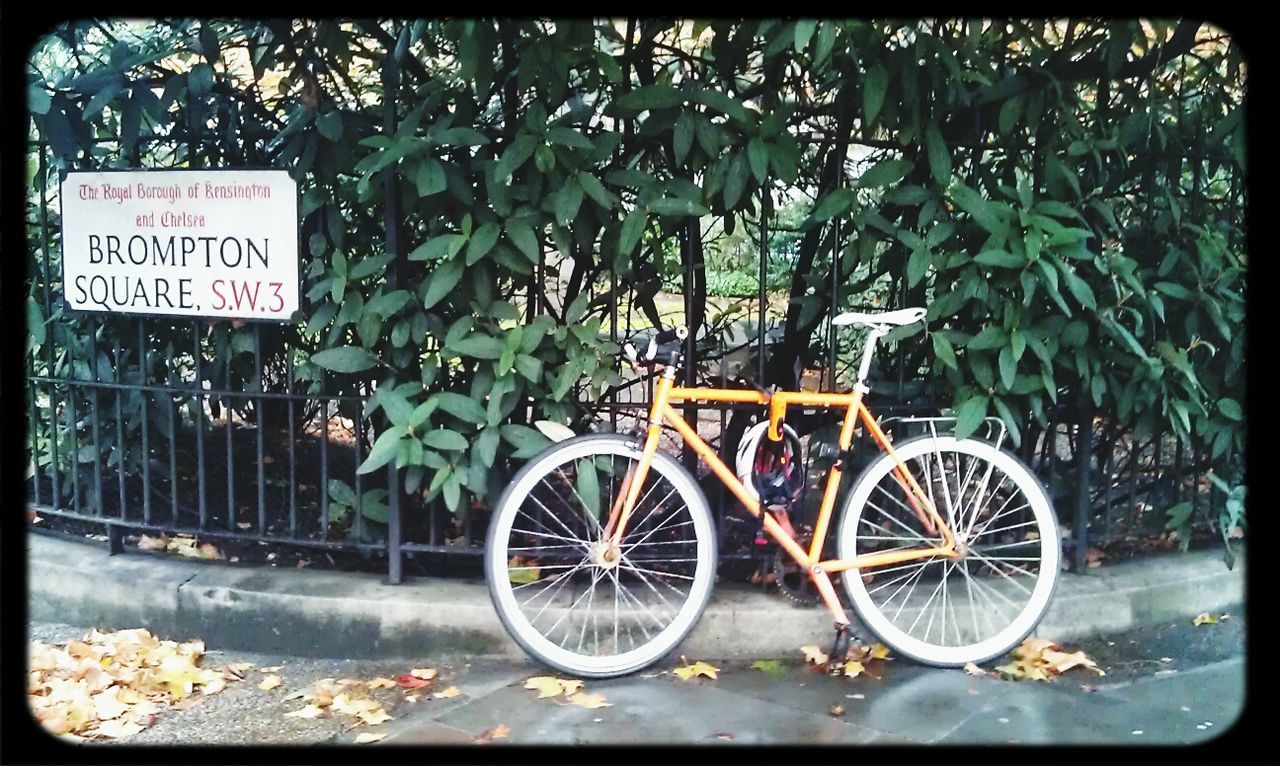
<point>1170,684</point>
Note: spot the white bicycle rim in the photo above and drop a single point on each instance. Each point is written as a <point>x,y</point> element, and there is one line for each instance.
<point>887,628</point>
<point>497,555</point>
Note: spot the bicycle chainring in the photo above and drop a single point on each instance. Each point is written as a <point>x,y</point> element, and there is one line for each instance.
<point>793,582</point>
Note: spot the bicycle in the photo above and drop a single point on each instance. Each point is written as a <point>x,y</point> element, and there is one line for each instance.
<point>601,553</point>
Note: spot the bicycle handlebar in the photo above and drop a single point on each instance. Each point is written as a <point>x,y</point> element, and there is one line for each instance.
<point>648,356</point>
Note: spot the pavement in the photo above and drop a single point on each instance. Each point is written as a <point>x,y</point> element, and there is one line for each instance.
<point>1169,684</point>
<point>322,614</point>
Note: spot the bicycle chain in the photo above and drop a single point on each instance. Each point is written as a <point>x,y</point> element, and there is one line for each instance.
<point>793,582</point>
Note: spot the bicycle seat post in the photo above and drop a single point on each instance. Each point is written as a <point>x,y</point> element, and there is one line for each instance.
<point>865,368</point>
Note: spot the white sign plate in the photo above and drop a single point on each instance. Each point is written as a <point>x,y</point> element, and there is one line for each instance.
<point>201,243</point>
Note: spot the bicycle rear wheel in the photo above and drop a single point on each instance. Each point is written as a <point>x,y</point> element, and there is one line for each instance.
<point>564,602</point>
<point>942,610</point>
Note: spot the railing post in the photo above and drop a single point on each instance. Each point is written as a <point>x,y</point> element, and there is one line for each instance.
<point>394,557</point>
<point>1084,439</point>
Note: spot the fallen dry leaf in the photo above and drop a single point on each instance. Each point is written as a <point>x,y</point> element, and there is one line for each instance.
<point>449,693</point>
<point>426,674</point>
<point>550,686</point>
<point>589,701</point>
<point>1204,619</point>
<point>365,737</point>
<point>409,682</point>
<point>374,717</point>
<point>852,668</point>
<point>488,735</point>
<point>310,711</point>
<point>272,669</point>
<point>270,682</point>
<point>117,729</point>
<point>209,551</point>
<point>148,543</point>
<point>814,654</point>
<point>698,668</point>
<point>382,683</point>
<point>1061,662</point>
<point>837,710</point>
<point>974,670</point>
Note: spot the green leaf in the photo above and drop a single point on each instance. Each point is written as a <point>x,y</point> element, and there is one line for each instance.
<point>1230,408</point>
<point>991,336</point>
<point>834,204</point>
<point>441,282</point>
<point>529,366</point>
<point>524,239</point>
<point>429,177</point>
<point>568,201</point>
<point>917,266</point>
<point>445,439</point>
<point>677,207</point>
<point>803,33</point>
<point>632,230</point>
<point>983,211</point>
<point>1008,367</point>
<point>200,80</point>
<point>479,346</point>
<point>487,445</point>
<point>969,415</point>
<point>463,407</point>
<point>38,100</point>
<point>398,408</point>
<point>884,173</point>
<point>527,441</point>
<point>588,486</point>
<point>1009,114</point>
<point>452,492</point>
<point>873,92</point>
<point>1178,515</point>
<point>384,449</point>
<point>1080,289</point>
<point>595,190</point>
<point>35,321</point>
<point>658,96</point>
<point>735,180</point>
<point>481,242</point>
<point>758,157</point>
<point>1174,290</point>
<point>939,156</point>
<point>438,247</point>
<point>682,136</point>
<point>386,305</point>
<point>1000,258</point>
<point>943,350</point>
<point>345,359</point>
<point>422,412</point>
<point>515,155</point>
<point>568,137</point>
<point>330,125</point>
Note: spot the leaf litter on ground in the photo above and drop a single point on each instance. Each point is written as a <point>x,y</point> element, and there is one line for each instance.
<point>1039,659</point>
<point>112,685</point>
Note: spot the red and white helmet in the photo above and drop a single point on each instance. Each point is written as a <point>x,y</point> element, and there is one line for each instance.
<point>772,472</point>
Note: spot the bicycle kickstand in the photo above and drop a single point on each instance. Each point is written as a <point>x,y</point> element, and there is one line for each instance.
<point>840,648</point>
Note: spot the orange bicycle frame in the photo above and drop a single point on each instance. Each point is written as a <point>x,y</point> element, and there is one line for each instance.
<point>818,569</point>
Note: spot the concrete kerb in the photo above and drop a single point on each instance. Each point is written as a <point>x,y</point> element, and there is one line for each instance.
<point>332,614</point>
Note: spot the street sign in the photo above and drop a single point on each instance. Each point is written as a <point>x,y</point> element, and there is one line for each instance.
<point>197,243</point>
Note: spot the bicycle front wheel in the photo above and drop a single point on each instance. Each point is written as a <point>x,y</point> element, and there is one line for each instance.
<point>945,610</point>
<point>562,595</point>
